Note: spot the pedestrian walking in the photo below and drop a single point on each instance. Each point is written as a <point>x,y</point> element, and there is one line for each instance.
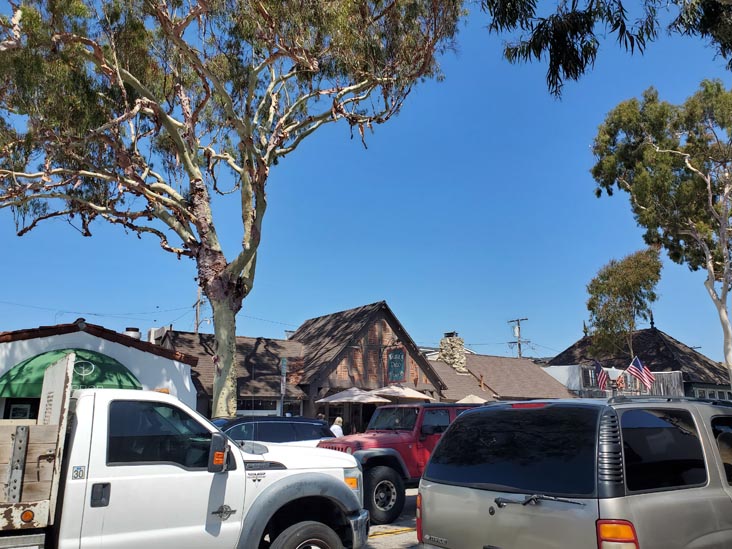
<point>337,427</point>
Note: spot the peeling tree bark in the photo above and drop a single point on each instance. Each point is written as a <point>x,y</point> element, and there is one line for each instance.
<point>225,385</point>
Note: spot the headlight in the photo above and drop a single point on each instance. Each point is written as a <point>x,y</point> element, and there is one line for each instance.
<point>349,450</point>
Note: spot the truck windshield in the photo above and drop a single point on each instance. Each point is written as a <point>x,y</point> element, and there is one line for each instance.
<point>394,419</point>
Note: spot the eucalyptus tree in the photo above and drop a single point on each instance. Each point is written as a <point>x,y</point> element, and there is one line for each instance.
<point>621,294</point>
<point>675,164</point>
<point>139,112</point>
<point>568,34</point>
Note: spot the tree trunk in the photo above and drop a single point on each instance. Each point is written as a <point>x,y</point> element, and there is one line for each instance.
<point>224,387</point>
<point>723,313</point>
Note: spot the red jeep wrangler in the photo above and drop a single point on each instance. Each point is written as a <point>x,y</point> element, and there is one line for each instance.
<point>394,451</point>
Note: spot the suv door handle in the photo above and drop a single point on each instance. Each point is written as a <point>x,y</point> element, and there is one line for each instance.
<point>224,512</point>
<point>100,494</point>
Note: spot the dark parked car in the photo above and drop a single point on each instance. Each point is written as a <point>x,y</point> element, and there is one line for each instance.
<point>295,431</point>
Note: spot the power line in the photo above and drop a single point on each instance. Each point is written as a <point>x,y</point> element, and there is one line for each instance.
<point>130,315</point>
<point>270,321</point>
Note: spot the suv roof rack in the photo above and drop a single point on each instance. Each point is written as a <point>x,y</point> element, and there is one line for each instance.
<point>623,399</point>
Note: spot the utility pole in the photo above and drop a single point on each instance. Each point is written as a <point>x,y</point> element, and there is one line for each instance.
<point>197,305</point>
<point>517,334</point>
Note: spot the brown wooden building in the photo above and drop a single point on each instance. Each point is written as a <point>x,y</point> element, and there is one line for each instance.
<point>365,347</point>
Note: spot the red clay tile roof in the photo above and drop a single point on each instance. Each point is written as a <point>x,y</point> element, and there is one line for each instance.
<point>657,350</point>
<point>258,366</point>
<point>80,325</point>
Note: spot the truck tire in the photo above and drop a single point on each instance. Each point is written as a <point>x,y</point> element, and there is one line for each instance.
<point>306,535</point>
<point>384,497</point>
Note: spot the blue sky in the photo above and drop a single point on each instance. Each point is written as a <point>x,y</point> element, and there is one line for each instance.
<point>473,207</point>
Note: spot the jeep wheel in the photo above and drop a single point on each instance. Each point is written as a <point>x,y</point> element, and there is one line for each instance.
<point>384,496</point>
<point>307,535</point>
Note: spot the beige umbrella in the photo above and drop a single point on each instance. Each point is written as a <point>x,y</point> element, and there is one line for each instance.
<point>354,395</point>
<point>399,391</point>
<point>472,399</point>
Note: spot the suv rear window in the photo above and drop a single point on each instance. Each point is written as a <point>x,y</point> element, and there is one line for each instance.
<point>546,450</point>
<point>662,450</point>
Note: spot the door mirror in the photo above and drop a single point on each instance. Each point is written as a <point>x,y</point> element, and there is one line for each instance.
<point>218,454</point>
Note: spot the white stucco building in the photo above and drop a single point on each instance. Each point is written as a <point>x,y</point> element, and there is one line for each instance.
<point>105,358</point>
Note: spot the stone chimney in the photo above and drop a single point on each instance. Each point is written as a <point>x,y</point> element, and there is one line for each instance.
<point>452,352</point>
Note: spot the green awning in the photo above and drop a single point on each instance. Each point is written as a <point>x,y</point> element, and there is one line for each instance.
<point>91,369</point>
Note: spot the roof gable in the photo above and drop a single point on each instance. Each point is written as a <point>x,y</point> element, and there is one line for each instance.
<point>325,337</point>
<point>658,351</point>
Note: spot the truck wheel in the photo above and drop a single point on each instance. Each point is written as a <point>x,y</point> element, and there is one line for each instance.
<point>384,496</point>
<point>306,535</point>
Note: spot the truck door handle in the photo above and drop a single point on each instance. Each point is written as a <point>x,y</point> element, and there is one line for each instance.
<point>100,494</point>
<point>224,512</point>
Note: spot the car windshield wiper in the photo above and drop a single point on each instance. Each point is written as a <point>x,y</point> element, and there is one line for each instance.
<point>534,499</point>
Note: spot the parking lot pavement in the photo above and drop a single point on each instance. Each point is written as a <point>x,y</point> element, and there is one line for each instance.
<point>401,533</point>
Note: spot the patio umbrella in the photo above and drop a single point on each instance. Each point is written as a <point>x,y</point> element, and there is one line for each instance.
<point>398,391</point>
<point>355,395</point>
<point>472,399</point>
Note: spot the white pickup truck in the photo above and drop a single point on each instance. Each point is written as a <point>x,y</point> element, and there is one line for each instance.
<point>125,469</point>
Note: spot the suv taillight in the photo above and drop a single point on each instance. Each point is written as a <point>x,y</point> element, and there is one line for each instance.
<point>418,514</point>
<point>616,534</point>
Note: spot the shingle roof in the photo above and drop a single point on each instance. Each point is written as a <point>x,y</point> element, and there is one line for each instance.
<point>325,337</point>
<point>80,325</point>
<point>459,385</point>
<point>503,378</point>
<point>512,378</point>
<point>258,362</point>
<point>657,350</point>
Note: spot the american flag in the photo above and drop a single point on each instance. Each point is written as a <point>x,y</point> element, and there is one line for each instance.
<point>644,375</point>
<point>601,376</point>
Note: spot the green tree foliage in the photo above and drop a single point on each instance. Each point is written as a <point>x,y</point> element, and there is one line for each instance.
<point>674,162</point>
<point>620,295</point>
<point>139,112</point>
<point>568,33</point>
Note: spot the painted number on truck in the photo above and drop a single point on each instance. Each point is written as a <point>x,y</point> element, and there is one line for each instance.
<point>78,472</point>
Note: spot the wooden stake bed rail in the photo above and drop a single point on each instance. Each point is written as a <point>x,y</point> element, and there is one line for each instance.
<point>26,477</point>
<point>31,452</point>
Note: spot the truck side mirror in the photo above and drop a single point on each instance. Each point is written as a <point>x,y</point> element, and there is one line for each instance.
<point>218,454</point>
